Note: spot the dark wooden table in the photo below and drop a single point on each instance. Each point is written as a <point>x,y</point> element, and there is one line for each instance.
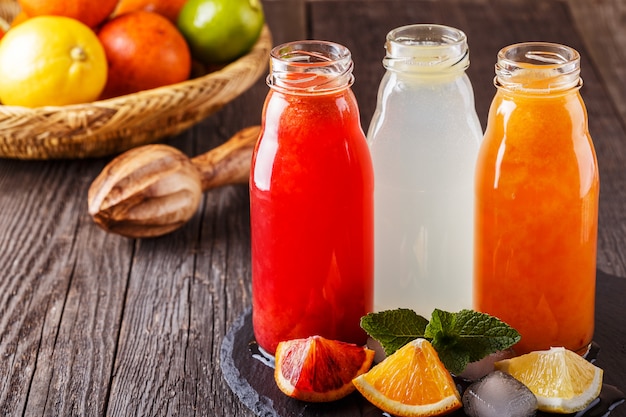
<point>94,324</point>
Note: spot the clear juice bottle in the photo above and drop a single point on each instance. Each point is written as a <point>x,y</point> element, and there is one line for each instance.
<point>424,139</point>
<point>311,201</point>
<point>537,188</point>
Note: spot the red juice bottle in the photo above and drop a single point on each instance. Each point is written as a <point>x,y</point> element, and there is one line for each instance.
<point>311,201</point>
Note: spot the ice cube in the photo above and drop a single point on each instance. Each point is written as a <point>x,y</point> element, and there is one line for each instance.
<point>479,369</point>
<point>379,352</point>
<point>499,395</point>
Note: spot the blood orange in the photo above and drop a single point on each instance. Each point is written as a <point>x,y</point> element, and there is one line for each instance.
<point>166,8</point>
<point>89,12</point>
<point>144,50</point>
<point>316,369</point>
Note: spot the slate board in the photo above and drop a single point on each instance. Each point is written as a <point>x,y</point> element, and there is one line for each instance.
<point>250,376</point>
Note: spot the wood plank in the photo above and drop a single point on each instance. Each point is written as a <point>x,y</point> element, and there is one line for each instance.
<point>178,307</point>
<point>59,300</point>
<point>601,24</point>
<point>149,367</point>
<point>75,360</point>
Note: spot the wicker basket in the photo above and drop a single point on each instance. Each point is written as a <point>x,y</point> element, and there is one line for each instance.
<point>111,126</point>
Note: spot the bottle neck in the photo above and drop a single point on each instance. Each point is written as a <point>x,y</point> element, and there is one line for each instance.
<point>310,68</point>
<point>538,69</point>
<point>426,50</point>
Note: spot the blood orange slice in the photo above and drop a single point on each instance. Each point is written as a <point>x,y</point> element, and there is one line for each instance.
<point>316,369</point>
<point>412,382</point>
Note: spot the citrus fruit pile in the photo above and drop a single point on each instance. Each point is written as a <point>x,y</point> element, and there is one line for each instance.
<point>413,382</point>
<point>61,52</point>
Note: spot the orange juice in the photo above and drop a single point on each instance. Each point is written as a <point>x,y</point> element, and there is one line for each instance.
<point>537,189</point>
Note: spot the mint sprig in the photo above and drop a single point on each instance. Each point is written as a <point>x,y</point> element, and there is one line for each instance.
<point>459,338</point>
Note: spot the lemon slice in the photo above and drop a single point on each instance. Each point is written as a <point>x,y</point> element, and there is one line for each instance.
<point>412,382</point>
<point>562,381</point>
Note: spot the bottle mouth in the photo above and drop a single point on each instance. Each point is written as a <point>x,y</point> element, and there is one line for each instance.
<point>538,67</point>
<point>426,48</point>
<point>309,67</point>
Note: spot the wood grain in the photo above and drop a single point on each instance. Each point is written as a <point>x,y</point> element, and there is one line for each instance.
<point>601,24</point>
<point>60,301</point>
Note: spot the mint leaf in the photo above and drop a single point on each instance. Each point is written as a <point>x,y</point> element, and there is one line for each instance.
<point>467,336</point>
<point>394,328</point>
<point>459,338</point>
<point>445,337</point>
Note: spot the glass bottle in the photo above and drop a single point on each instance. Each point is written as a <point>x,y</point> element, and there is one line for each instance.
<point>311,201</point>
<point>537,189</point>
<point>424,139</point>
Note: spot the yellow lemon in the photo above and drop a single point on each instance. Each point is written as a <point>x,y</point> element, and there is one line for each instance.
<point>562,381</point>
<point>51,61</point>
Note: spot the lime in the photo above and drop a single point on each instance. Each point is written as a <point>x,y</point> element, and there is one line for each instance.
<point>220,31</point>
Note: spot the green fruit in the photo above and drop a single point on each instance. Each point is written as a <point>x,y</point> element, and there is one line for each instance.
<point>220,31</point>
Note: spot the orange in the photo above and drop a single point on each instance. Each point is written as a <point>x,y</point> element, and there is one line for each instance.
<point>19,18</point>
<point>144,51</point>
<point>89,12</point>
<point>412,382</point>
<point>166,8</point>
<point>51,60</point>
<point>563,381</point>
<point>316,369</point>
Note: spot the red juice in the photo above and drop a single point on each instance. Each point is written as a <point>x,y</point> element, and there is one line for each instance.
<point>311,192</point>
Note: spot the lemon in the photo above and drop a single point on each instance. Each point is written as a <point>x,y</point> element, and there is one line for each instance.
<point>51,60</point>
<point>562,381</point>
<point>219,31</point>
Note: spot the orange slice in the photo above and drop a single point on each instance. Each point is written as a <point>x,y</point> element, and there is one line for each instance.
<point>316,369</point>
<point>412,382</point>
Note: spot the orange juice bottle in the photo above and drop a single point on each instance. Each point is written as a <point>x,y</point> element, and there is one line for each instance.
<point>537,189</point>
